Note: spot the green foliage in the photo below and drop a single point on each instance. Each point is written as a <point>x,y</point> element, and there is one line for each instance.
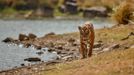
<point>8,11</point>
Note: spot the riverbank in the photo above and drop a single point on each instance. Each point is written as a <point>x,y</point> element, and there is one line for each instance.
<point>108,42</point>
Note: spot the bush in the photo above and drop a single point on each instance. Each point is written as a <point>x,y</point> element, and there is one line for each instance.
<point>123,13</point>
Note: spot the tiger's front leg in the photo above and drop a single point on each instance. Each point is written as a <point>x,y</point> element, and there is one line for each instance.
<point>83,50</point>
<point>91,44</point>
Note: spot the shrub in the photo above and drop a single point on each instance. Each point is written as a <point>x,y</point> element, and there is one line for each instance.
<point>123,13</point>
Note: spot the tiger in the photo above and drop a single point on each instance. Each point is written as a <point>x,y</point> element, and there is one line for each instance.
<point>87,37</point>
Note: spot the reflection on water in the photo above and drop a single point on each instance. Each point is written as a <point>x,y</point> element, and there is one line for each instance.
<point>11,56</point>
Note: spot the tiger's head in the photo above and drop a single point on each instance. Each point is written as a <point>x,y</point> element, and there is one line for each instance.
<point>85,29</point>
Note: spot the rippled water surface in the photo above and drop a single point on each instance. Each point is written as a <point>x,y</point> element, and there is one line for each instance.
<point>11,56</point>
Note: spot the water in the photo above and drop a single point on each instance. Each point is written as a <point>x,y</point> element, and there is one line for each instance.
<point>11,56</point>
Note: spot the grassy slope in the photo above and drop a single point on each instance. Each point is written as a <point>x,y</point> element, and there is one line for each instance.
<point>117,62</point>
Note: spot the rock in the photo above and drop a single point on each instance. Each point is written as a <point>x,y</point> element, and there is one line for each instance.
<point>96,49</point>
<point>126,47</point>
<point>32,36</point>
<point>22,64</point>
<point>53,62</point>
<point>71,40</point>
<point>59,47</point>
<point>68,58</point>
<point>39,53</point>
<point>38,47</point>
<point>106,49</point>
<point>23,37</point>
<point>27,45</point>
<point>71,6</point>
<point>51,50</point>
<point>32,59</point>
<point>115,46</point>
<point>16,42</point>
<point>58,51</point>
<point>95,11</point>
<point>97,45</point>
<point>49,34</point>
<point>74,44</point>
<point>8,40</point>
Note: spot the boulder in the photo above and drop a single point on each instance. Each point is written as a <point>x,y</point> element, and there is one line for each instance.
<point>95,11</point>
<point>23,37</point>
<point>69,6</point>
<point>32,59</point>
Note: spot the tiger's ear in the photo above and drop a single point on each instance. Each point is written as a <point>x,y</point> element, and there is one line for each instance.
<point>79,27</point>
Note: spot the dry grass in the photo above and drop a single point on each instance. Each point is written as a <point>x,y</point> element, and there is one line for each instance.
<point>109,35</point>
<point>124,12</point>
<point>116,62</point>
<point>108,3</point>
<point>114,34</point>
<point>119,62</point>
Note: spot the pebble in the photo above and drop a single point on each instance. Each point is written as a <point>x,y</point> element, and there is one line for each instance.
<point>106,49</point>
<point>21,45</point>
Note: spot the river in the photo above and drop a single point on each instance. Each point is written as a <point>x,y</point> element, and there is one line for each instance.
<point>12,56</point>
